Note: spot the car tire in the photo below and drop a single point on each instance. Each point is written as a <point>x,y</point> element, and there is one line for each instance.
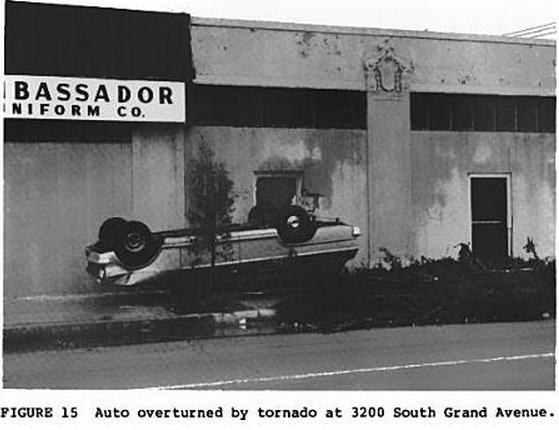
<point>135,245</point>
<point>108,230</point>
<point>294,225</point>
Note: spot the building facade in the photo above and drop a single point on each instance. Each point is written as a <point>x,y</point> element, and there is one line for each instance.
<point>424,140</point>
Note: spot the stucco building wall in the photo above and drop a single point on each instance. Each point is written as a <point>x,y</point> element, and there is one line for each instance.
<point>55,197</point>
<point>442,163</point>
<point>57,194</point>
<point>158,196</point>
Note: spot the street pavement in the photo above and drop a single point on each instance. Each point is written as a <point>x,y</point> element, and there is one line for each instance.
<point>500,356</point>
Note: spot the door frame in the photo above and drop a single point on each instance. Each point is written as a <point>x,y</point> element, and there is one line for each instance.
<point>508,177</point>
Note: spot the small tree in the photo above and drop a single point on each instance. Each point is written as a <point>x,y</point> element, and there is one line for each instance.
<point>211,203</point>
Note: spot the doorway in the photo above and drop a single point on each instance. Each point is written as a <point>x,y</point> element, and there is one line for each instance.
<point>489,196</point>
<point>276,190</point>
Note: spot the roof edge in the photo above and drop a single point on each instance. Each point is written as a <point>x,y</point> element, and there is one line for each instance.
<point>365,31</point>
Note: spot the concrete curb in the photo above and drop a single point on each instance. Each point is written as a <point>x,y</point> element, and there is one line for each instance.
<point>85,334</point>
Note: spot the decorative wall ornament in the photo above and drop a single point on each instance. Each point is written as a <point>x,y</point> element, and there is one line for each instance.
<point>386,71</point>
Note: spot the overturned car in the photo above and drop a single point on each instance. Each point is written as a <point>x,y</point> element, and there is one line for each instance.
<point>127,253</point>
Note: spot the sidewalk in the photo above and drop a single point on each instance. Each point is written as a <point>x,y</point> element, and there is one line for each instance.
<point>47,322</point>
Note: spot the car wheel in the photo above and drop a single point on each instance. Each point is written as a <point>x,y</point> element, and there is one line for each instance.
<point>295,225</point>
<point>108,230</point>
<point>135,245</point>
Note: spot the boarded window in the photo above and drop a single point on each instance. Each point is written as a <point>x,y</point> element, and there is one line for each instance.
<point>462,112</point>
<point>276,107</point>
<point>438,112</point>
<point>527,114</point>
<point>546,115</point>
<point>418,112</point>
<point>484,113</point>
<point>506,114</point>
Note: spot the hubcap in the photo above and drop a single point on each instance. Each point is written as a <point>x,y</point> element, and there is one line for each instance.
<point>293,221</point>
<point>134,242</point>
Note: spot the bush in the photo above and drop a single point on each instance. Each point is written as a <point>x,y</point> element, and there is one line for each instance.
<point>211,206</point>
<point>428,292</point>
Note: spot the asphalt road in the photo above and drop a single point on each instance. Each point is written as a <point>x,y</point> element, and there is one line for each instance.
<point>505,356</point>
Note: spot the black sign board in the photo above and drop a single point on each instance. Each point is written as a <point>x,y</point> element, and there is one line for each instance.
<point>60,40</point>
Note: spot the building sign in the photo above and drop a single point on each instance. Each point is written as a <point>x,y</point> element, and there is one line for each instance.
<point>48,97</point>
